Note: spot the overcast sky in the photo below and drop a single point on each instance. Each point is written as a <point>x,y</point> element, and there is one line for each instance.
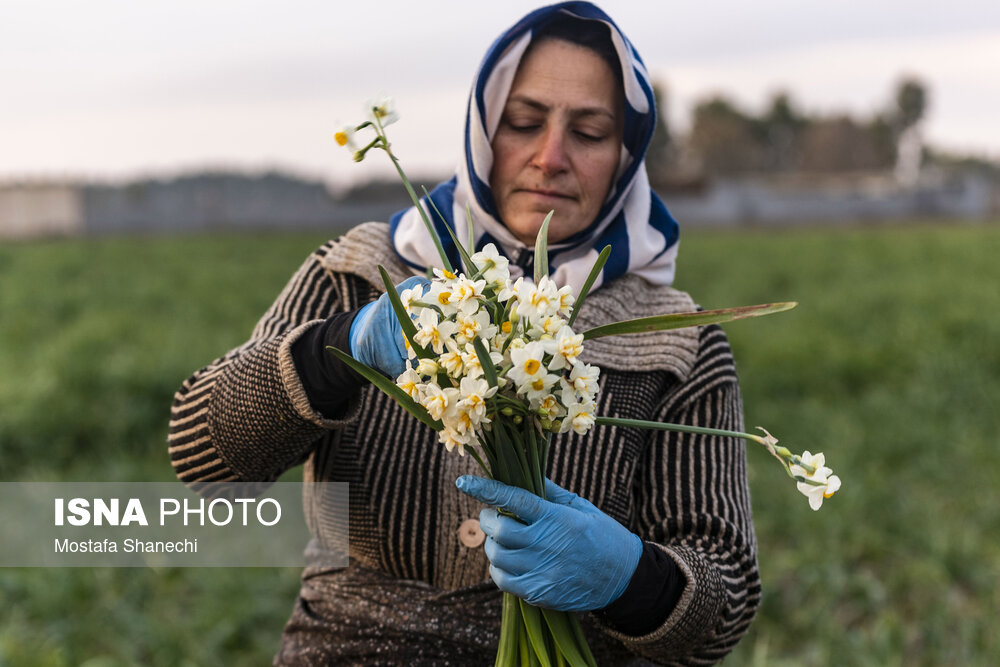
<point>112,88</point>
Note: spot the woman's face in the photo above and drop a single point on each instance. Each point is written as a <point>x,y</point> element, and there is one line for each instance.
<point>557,146</point>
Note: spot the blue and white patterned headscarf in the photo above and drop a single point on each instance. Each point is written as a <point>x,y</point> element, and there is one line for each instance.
<point>633,221</point>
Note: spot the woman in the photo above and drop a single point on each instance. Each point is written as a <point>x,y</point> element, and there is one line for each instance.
<point>662,551</point>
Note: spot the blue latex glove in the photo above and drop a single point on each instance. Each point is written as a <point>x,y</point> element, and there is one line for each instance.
<point>567,555</point>
<point>376,338</point>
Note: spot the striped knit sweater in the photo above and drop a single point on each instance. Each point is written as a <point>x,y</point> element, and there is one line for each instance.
<point>414,592</point>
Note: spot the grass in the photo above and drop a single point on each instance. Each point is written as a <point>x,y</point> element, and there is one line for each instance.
<point>889,365</point>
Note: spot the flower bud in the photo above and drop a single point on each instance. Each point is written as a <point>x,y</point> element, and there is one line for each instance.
<point>507,412</point>
<point>517,420</point>
<point>428,367</point>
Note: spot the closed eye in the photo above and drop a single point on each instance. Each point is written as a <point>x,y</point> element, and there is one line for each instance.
<point>594,138</point>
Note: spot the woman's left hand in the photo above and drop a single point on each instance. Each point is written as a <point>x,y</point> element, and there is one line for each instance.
<point>566,555</point>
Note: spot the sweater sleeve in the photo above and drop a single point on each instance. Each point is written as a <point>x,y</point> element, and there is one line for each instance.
<point>247,416</point>
<point>694,504</point>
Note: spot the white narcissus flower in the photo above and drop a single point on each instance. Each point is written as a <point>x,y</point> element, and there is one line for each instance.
<point>539,387</point>
<point>537,302</point>
<point>408,296</point>
<point>473,368</point>
<point>564,347</point>
<point>579,417</point>
<point>465,294</point>
<point>432,333</point>
<point>383,109</point>
<point>428,367</point>
<point>527,362</point>
<point>566,300</point>
<point>473,393</point>
<point>451,360</point>
<point>493,265</point>
<point>583,378</point>
<point>550,407</point>
<point>825,485</point>
<point>546,327</point>
<point>451,439</point>
<point>439,294</point>
<point>410,382</point>
<point>437,400</point>
<point>344,136</point>
<point>509,291</point>
<point>469,327</point>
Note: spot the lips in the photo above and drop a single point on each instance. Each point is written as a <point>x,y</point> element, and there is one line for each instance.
<point>547,192</point>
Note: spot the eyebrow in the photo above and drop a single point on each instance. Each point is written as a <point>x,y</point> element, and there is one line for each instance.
<point>578,112</point>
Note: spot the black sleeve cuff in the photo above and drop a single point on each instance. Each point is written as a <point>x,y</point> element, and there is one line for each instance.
<point>652,593</point>
<point>328,382</point>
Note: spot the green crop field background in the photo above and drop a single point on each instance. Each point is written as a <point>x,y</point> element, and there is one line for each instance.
<point>890,365</point>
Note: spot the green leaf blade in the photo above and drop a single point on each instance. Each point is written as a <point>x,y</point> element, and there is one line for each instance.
<point>388,387</point>
<point>470,267</point>
<point>542,249</point>
<point>533,624</point>
<point>683,320</point>
<point>489,370</point>
<point>595,271</point>
<point>405,323</point>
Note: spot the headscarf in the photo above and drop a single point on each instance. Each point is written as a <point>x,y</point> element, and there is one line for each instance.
<point>633,221</point>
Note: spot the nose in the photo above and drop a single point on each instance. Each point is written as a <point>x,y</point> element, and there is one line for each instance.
<point>550,154</point>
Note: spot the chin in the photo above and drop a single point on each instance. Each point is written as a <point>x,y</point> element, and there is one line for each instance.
<point>526,225</point>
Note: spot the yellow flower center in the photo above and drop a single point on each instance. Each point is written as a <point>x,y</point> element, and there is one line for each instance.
<point>531,366</point>
<point>539,299</point>
<point>340,138</point>
<point>448,274</point>
<point>444,297</point>
<point>538,384</point>
<point>506,327</point>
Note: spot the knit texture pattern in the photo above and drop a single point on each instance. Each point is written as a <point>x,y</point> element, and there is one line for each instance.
<point>414,593</point>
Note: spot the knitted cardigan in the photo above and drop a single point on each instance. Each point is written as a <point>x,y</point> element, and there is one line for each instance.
<point>414,593</point>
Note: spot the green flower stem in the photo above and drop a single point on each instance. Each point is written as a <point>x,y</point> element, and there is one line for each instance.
<point>413,195</point>
<point>537,485</point>
<point>479,460</point>
<point>509,627</point>
<point>682,428</point>
<point>518,406</point>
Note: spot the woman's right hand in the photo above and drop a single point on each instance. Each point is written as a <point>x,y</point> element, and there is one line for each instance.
<point>376,337</point>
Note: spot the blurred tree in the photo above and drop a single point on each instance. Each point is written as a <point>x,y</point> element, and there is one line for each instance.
<point>883,141</point>
<point>838,144</point>
<point>779,129</point>
<point>723,140</point>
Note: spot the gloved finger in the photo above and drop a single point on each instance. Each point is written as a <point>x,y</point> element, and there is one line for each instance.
<point>507,582</point>
<point>556,494</point>
<point>524,586</point>
<point>523,504</point>
<point>513,561</point>
<point>505,530</point>
<point>394,367</point>
<point>560,496</point>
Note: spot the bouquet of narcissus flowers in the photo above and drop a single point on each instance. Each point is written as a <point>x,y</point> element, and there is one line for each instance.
<point>494,367</point>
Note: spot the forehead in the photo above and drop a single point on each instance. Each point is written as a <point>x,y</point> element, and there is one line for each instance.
<point>560,74</point>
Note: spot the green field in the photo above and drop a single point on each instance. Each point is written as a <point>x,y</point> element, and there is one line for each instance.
<point>890,365</point>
